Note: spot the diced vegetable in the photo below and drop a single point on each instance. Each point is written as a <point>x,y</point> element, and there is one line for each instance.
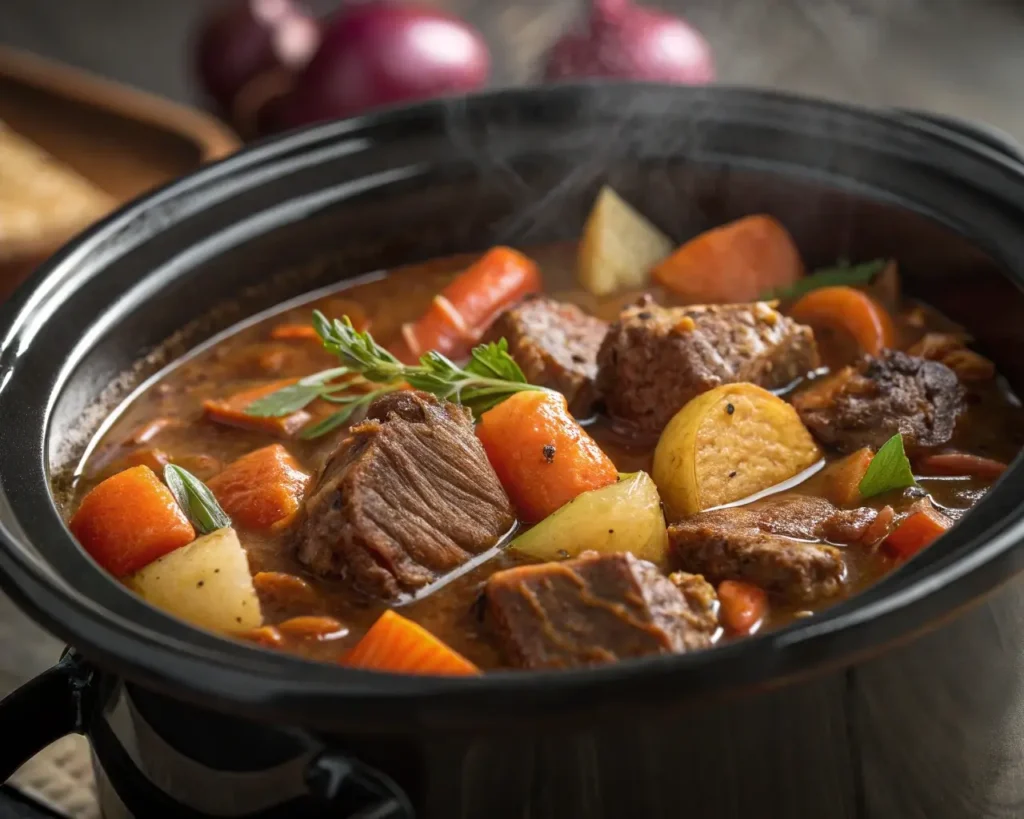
<point>850,310</point>
<point>459,316</point>
<point>295,332</point>
<point>961,463</point>
<point>206,583</point>
<point>727,444</point>
<point>262,488</point>
<point>622,517</point>
<point>889,469</point>
<point>542,457</point>
<point>918,530</point>
<point>839,482</point>
<point>743,605</point>
<point>733,263</point>
<point>400,646</point>
<point>266,636</point>
<point>281,590</point>
<point>312,627</point>
<point>619,247</point>
<point>232,411</point>
<point>130,520</point>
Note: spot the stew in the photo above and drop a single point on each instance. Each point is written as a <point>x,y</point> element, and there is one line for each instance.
<point>551,459</point>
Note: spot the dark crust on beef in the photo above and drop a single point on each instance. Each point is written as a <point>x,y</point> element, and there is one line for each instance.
<point>655,359</point>
<point>556,346</point>
<point>865,405</point>
<point>598,609</point>
<point>766,543</point>
<point>408,496</point>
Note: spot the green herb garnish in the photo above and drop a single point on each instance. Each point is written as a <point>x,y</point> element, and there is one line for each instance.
<point>196,500</point>
<point>841,274</point>
<point>888,470</point>
<point>490,376</point>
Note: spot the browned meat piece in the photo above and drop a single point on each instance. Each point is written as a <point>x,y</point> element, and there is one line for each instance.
<point>556,345</point>
<point>865,405</point>
<point>655,359</point>
<point>766,543</point>
<point>406,497</point>
<point>598,609</point>
<point>951,350</point>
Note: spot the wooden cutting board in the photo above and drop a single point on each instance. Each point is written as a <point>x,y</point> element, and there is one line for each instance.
<point>121,140</point>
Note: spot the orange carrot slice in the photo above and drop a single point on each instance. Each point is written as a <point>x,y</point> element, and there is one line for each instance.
<point>261,488</point>
<point>542,457</point>
<point>743,605</point>
<point>294,332</point>
<point>918,530</point>
<point>129,520</point>
<point>312,627</point>
<point>400,646</point>
<point>960,463</point>
<point>231,411</point>
<point>850,310</point>
<point>841,479</point>
<point>458,317</point>
<point>736,262</point>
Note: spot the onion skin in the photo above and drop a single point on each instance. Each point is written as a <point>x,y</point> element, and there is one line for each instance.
<point>622,40</point>
<point>247,38</point>
<point>382,52</point>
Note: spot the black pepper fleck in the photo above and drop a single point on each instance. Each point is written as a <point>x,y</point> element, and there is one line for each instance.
<point>563,554</point>
<point>199,585</point>
<point>611,531</point>
<point>549,453</point>
<point>643,315</point>
<point>732,474</point>
<point>216,571</point>
<point>729,408</point>
<point>238,619</point>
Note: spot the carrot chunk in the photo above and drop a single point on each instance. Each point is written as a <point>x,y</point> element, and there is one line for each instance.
<point>542,457</point>
<point>916,531</point>
<point>312,627</point>
<point>294,332</point>
<point>459,316</point>
<point>960,463</point>
<point>736,262</point>
<point>850,310</point>
<point>400,646</point>
<point>743,605</point>
<point>129,520</point>
<point>840,480</point>
<point>231,411</point>
<point>261,488</point>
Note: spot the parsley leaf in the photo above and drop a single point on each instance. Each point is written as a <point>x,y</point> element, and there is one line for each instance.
<point>888,470</point>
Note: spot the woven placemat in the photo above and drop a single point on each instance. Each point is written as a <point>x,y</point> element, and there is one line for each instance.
<point>61,778</point>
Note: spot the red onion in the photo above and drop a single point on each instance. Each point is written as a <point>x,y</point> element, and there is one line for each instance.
<point>247,38</point>
<point>381,52</point>
<point>632,42</point>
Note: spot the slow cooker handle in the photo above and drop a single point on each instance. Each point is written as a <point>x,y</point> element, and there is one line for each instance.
<point>42,711</point>
<point>988,135</point>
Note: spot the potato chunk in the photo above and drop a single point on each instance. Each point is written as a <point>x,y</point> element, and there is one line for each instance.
<point>619,246</point>
<point>206,583</point>
<point>728,444</point>
<point>622,517</point>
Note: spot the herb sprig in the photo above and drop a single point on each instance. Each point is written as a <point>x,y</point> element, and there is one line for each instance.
<point>841,274</point>
<point>196,500</point>
<point>489,377</point>
<point>888,470</point>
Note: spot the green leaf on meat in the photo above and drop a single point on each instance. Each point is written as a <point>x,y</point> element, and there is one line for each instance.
<point>888,470</point>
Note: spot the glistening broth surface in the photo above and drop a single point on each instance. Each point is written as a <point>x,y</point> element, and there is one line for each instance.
<point>251,358</point>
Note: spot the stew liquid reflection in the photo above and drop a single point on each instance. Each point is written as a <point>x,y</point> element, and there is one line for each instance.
<point>693,411</point>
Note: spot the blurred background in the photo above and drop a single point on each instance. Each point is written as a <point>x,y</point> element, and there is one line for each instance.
<point>961,57</point>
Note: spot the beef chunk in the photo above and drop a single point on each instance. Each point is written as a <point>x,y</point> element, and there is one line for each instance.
<point>866,404</point>
<point>655,359</point>
<point>598,609</point>
<point>556,345</point>
<point>766,543</point>
<point>408,496</point>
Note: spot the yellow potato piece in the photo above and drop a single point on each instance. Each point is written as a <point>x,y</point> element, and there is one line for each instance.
<point>206,583</point>
<point>728,444</point>
<point>619,246</point>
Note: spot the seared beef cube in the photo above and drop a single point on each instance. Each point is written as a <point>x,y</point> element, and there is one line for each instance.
<point>866,404</point>
<point>556,345</point>
<point>598,609</point>
<point>655,359</point>
<point>766,543</point>
<point>408,496</point>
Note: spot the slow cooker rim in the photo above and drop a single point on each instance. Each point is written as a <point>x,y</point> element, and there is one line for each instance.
<point>30,582</point>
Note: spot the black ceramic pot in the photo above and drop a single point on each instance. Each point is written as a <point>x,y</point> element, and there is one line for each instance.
<point>905,702</point>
